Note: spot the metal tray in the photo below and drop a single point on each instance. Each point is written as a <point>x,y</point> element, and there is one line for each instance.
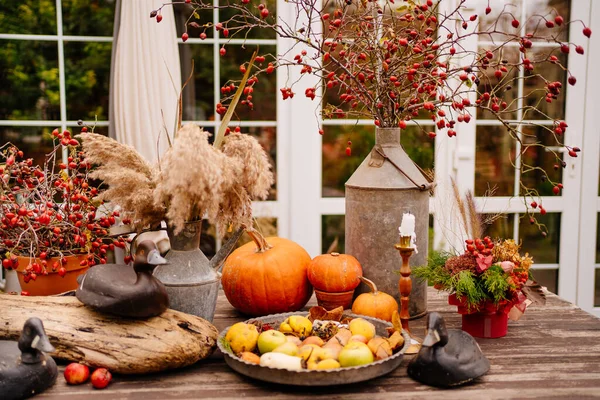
<point>338,376</point>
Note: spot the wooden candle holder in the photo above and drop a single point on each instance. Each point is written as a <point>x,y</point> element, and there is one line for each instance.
<point>405,282</point>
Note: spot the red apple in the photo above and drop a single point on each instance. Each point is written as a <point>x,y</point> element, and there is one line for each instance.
<point>101,378</point>
<point>76,374</point>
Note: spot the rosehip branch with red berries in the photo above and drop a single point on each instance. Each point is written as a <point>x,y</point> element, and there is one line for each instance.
<point>49,212</point>
<point>395,61</point>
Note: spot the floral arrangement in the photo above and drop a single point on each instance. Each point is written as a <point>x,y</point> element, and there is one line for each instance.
<point>488,275</point>
<point>397,61</point>
<point>48,212</point>
<point>192,179</point>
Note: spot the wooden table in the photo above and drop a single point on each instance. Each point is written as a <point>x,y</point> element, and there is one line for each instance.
<point>553,351</point>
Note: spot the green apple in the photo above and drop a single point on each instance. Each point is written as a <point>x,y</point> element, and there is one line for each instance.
<point>269,340</point>
<point>355,354</point>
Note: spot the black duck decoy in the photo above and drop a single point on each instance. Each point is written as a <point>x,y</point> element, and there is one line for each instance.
<point>447,357</point>
<point>124,290</point>
<point>24,369</point>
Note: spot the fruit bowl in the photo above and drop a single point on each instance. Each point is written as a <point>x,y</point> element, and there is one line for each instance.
<point>338,376</point>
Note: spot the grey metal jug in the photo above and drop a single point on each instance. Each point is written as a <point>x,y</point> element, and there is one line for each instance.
<point>191,279</point>
<point>386,185</point>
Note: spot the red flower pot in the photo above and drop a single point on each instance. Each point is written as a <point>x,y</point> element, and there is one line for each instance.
<point>53,283</point>
<point>488,320</point>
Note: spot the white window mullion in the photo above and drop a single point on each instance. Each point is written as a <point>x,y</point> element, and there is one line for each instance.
<point>583,119</point>
<point>301,143</point>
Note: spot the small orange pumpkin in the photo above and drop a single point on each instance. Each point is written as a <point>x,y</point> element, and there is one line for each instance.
<point>334,272</point>
<point>267,276</point>
<point>375,304</point>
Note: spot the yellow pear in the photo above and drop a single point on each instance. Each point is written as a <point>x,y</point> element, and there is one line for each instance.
<point>342,337</point>
<point>328,364</point>
<point>360,326</point>
<point>310,352</point>
<point>294,339</point>
<point>288,348</point>
<point>313,340</point>
<point>332,349</point>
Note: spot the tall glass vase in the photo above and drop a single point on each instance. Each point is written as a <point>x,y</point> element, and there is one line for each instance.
<point>386,185</point>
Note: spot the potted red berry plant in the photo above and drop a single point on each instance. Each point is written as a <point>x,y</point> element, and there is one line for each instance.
<point>490,282</point>
<point>51,228</point>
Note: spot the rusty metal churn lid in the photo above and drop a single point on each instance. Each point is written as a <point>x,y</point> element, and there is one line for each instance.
<point>386,185</point>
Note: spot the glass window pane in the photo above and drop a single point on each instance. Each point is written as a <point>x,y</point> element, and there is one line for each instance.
<point>30,83</point>
<point>534,87</point>
<point>499,19</point>
<point>548,9</point>
<point>267,226</point>
<point>494,154</point>
<point>88,18</point>
<point>505,88</point>
<point>598,239</point>
<point>333,232</point>
<point>337,167</point>
<point>28,17</point>
<point>498,226</point>
<point>544,250</point>
<point>198,95</point>
<point>182,13</point>
<point>256,33</point>
<point>597,288</point>
<point>547,278</point>
<point>264,93</point>
<point>87,79</point>
<point>267,137</point>
<point>536,157</point>
<point>35,142</point>
<point>208,239</point>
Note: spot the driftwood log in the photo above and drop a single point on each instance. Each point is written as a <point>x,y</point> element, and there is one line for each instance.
<point>127,346</point>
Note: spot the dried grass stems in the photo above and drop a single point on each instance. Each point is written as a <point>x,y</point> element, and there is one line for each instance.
<point>193,179</point>
<point>130,178</point>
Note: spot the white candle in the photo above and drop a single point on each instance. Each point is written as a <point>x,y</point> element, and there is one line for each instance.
<point>407,227</point>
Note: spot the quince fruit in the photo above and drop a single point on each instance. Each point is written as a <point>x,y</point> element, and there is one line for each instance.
<point>297,325</point>
<point>359,326</point>
<point>242,337</point>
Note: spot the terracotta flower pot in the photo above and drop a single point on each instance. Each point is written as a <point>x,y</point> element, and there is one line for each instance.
<point>487,321</point>
<point>331,300</point>
<point>53,283</point>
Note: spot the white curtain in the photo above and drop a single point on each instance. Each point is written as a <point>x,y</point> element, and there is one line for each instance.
<point>146,77</point>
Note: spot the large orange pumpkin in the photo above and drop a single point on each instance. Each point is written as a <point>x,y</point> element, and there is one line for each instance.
<point>375,304</point>
<point>334,272</point>
<point>267,276</point>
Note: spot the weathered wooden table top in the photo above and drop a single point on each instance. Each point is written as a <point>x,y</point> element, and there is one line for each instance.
<point>552,351</point>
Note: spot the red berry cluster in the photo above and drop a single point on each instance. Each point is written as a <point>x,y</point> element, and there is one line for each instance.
<point>48,213</point>
<point>479,246</point>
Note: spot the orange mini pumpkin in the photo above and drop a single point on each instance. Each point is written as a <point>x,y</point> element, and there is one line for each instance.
<point>267,276</point>
<point>375,304</point>
<point>334,272</point>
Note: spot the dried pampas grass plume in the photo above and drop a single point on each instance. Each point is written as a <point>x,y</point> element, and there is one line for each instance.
<point>129,177</point>
<point>257,176</point>
<point>102,150</point>
<point>252,183</point>
<point>192,177</point>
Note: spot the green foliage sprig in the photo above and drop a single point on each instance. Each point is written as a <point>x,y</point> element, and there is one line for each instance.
<point>492,285</point>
